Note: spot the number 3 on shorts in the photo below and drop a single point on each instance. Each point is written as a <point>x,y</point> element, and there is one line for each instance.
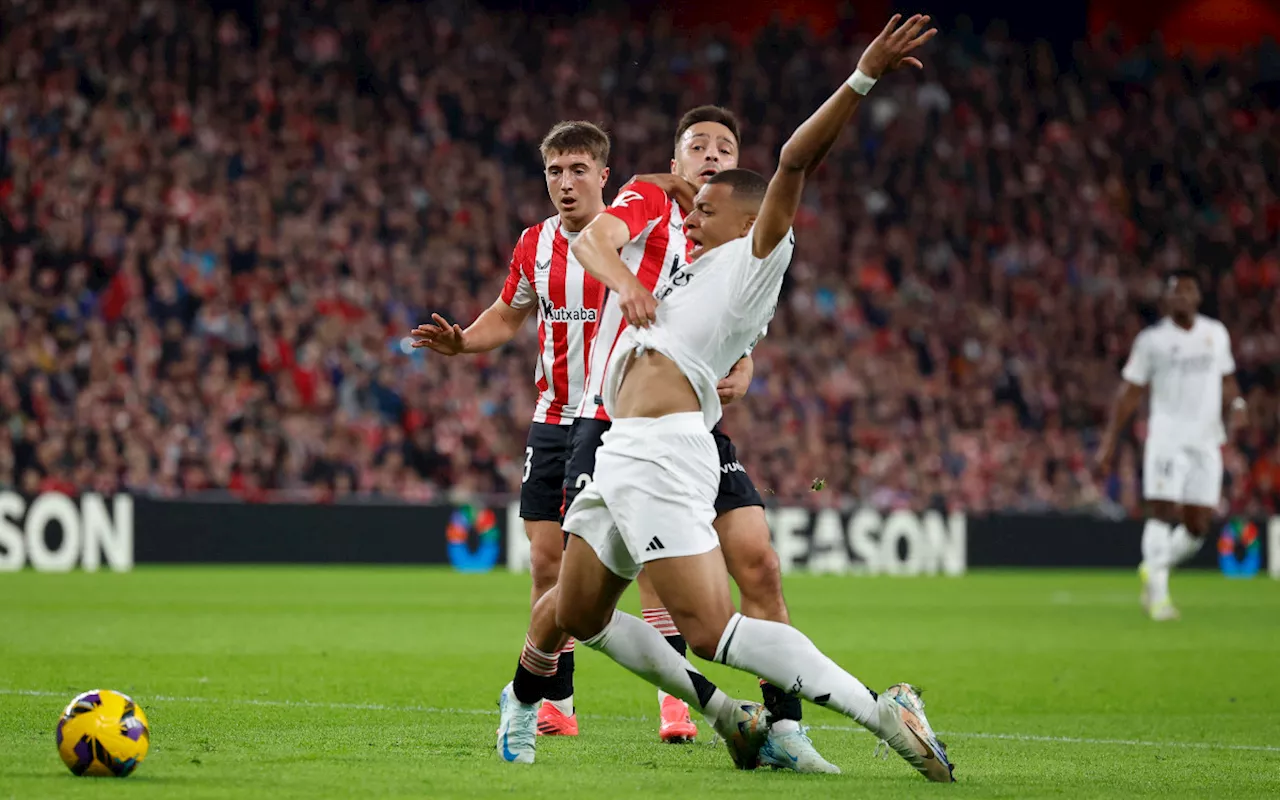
<point>528,463</point>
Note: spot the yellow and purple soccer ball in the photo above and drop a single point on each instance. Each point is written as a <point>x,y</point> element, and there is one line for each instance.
<point>103,733</point>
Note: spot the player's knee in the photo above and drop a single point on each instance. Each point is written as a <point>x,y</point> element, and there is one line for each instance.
<point>546,549</point>
<point>1198,525</point>
<point>580,622</point>
<point>544,568</point>
<point>760,580</point>
<point>703,641</point>
<point>1165,512</point>
<point>703,628</point>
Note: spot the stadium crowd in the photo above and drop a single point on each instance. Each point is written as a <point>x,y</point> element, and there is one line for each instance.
<point>215,239</point>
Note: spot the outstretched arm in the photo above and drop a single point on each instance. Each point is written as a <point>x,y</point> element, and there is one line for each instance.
<point>499,323</point>
<point>810,143</point>
<point>496,326</point>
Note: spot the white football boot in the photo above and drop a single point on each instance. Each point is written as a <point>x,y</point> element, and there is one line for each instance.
<point>517,728</point>
<point>907,732</point>
<point>788,747</point>
<point>1162,610</point>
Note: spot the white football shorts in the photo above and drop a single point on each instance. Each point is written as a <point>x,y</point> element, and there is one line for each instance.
<point>652,495</point>
<point>1178,473</point>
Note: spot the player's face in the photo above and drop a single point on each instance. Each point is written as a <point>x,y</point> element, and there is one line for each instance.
<point>716,218</point>
<point>1183,296</point>
<point>705,149</point>
<point>575,183</point>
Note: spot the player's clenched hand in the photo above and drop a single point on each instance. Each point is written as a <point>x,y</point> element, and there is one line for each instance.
<point>734,386</point>
<point>639,306</point>
<point>1237,420</point>
<point>441,337</point>
<point>676,187</point>
<point>893,47</point>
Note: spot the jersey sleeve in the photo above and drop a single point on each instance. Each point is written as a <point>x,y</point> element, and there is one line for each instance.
<point>1226,361</point>
<point>638,204</point>
<point>751,348</point>
<point>1137,370</point>
<point>518,292</point>
<point>761,280</point>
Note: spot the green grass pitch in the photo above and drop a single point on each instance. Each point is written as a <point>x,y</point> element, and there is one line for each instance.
<point>357,682</point>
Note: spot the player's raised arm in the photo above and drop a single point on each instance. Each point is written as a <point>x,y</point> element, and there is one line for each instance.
<point>806,148</point>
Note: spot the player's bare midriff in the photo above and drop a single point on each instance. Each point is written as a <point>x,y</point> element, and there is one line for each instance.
<point>653,386</point>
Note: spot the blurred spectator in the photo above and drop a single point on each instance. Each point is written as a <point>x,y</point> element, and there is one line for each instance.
<point>214,241</point>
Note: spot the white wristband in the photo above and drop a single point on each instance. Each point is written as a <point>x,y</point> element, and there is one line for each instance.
<point>860,82</point>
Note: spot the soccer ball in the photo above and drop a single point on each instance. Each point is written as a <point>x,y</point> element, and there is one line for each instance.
<point>103,733</point>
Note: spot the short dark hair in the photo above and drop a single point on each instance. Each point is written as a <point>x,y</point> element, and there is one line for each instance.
<point>708,114</point>
<point>1179,274</point>
<point>576,136</point>
<point>748,187</point>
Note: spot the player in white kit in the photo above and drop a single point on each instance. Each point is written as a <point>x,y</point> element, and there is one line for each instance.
<point>1185,359</point>
<point>652,500</point>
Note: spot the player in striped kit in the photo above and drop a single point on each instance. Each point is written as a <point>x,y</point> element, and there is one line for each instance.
<point>644,228</point>
<point>545,276</point>
<point>652,504</point>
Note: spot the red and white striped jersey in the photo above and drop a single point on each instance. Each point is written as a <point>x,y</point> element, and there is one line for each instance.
<point>657,249</point>
<point>545,271</point>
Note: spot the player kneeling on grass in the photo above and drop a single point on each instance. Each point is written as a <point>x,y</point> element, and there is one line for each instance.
<point>651,503</point>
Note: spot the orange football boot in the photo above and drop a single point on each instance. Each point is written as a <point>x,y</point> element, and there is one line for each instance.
<point>553,722</point>
<point>676,727</point>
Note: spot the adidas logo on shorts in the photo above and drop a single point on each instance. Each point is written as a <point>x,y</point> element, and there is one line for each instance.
<point>655,544</point>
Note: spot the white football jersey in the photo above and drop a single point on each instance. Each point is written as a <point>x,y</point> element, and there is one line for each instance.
<point>709,314</point>
<point>1184,369</point>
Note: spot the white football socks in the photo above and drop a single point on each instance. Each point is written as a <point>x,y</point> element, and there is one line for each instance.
<point>1155,542</point>
<point>1155,557</point>
<point>778,653</point>
<point>1162,550</point>
<point>1182,545</point>
<point>785,657</point>
<point>637,646</point>
<point>564,706</point>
